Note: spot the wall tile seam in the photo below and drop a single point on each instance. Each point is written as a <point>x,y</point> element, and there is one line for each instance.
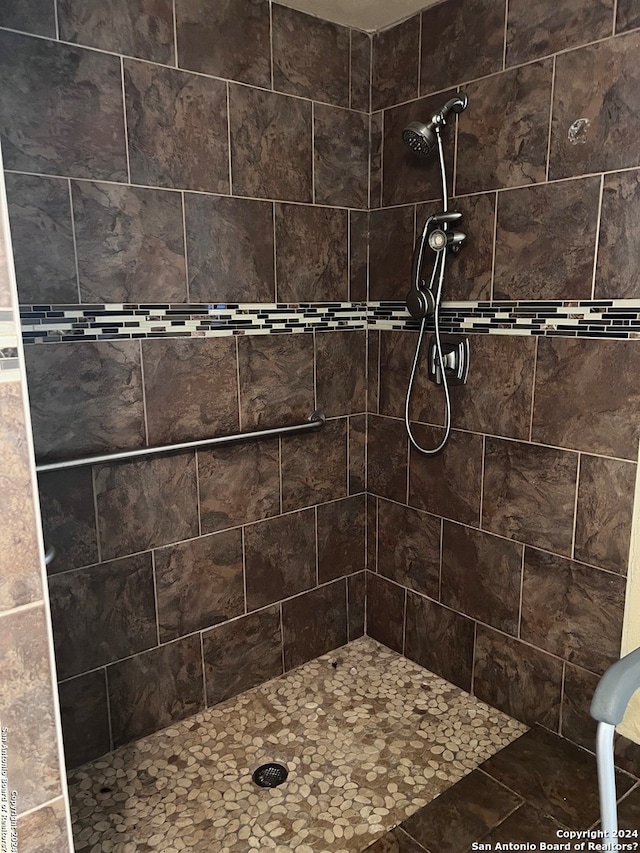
<point>480,623</point>
<point>495,534</point>
<point>202,631</point>
<point>188,191</point>
<point>155,548</point>
<point>533,443</point>
<point>547,56</point>
<point>22,608</point>
<point>52,803</point>
<point>127,57</point>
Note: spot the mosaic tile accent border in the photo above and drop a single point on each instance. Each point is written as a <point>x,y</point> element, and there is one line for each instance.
<point>606,318</point>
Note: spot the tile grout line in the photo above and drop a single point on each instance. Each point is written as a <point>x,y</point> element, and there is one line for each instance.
<point>282,637</point>
<point>473,656</point>
<point>441,559</point>
<point>521,597</point>
<point>184,237</point>
<point>198,502</point>
<point>482,467</point>
<point>560,710</point>
<point>506,31</point>
<point>271,45</point>
<point>126,124</point>
<point>244,569</point>
<point>533,389</point>
<point>155,595</point>
<point>238,385</point>
<point>315,521</point>
<point>596,251</point>
<point>280,473</point>
<point>494,247</point>
<point>575,507</point>
<point>404,621</point>
<point>175,35</point>
<point>275,251</point>
<point>75,242</point>
<point>419,81</point>
<point>350,99</point>
<point>553,85</point>
<point>108,703</point>
<point>204,671</point>
<point>313,152</point>
<point>94,495</point>
<point>144,395</point>
<point>228,93</point>
<point>56,19</point>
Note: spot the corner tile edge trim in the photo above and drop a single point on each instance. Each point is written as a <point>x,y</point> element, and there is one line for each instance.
<point>617,319</point>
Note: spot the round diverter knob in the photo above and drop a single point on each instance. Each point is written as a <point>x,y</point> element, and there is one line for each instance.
<point>438,240</point>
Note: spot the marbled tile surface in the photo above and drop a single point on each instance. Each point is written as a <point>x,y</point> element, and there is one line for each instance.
<point>368,736</point>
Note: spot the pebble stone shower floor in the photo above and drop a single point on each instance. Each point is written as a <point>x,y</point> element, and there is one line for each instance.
<point>368,737</point>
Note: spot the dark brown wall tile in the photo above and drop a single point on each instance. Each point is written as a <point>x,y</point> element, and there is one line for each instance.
<point>397,351</point>
<point>469,272</point>
<point>27,708</point>
<point>45,830</point>
<point>617,273</point>
<point>20,581</point>
<point>280,557</point>
<point>310,56</point>
<point>142,28</point>
<point>448,484</point>
<point>86,397</point>
<point>587,396</point>
<point>538,30</point>
<point>440,640</point>
<point>276,379</point>
<point>227,39</point>
<point>529,493</point>
<point>314,467</point>
<point>177,128</point>
<point>85,718</point>
<point>605,507</point>
<point>102,613</point>
<point>69,518</point>
<point>385,612</point>
<point>357,437</point>
<point>532,261</point>
<point>341,372</point>
<point>462,814</point>
<point>42,238</point>
<point>498,394</point>
<point>199,583</point>
<point>406,176</point>
<point>356,601</point>
<point>238,484</point>
<point>600,81</point>
<point>242,654</point>
<point>375,160</point>
<point>360,71</point>
<point>230,249</point>
<point>72,120</point>
<point>31,16</point>
<point>395,841</point>
<point>341,156</point>
<point>314,623</point>
<point>280,167</point>
<point>502,138</point>
<point>150,691</point>
<point>518,679</point>
<point>577,723</point>
<point>409,547</point>
<point>390,253</point>
<point>387,458</point>
<point>358,255</point>
<point>341,538</point>
<point>481,576</point>
<point>396,54</point>
<point>191,388</point>
<point>312,256</point>
<point>461,40</point>
<point>129,243</point>
<point>145,504</point>
<point>627,15</point>
<point>571,610</point>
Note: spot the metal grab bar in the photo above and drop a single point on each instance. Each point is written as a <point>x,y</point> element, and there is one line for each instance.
<point>316,421</point>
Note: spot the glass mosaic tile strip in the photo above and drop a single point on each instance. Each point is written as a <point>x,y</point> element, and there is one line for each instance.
<point>616,319</point>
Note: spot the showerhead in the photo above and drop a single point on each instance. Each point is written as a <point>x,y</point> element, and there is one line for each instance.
<point>420,137</point>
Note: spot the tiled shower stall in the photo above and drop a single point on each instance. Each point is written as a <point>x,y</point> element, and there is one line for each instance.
<point>212,218</point>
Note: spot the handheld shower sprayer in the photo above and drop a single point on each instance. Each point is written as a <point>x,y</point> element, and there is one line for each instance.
<point>424,300</point>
